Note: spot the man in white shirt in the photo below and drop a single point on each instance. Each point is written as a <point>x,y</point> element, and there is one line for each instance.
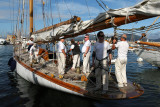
<point>34,50</point>
<point>76,54</point>
<point>101,52</point>
<point>121,61</point>
<point>61,54</point>
<point>30,43</point>
<point>86,49</point>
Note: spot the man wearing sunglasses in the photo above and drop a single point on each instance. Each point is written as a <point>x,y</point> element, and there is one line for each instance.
<point>86,49</point>
<point>61,54</point>
<point>101,52</point>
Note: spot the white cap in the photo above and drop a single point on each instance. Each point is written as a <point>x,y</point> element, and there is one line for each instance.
<point>62,37</point>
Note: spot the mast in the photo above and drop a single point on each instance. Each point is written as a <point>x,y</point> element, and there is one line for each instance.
<point>31,15</point>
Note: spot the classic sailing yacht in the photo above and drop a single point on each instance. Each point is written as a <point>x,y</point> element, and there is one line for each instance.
<point>2,41</point>
<point>45,73</point>
<point>151,55</point>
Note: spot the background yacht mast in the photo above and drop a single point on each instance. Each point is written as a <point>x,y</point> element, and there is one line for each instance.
<point>31,15</point>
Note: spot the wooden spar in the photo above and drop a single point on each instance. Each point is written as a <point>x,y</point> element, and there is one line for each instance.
<point>118,21</point>
<point>74,19</point>
<point>31,15</point>
<point>149,43</point>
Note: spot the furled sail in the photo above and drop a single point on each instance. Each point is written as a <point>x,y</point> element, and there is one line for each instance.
<point>145,9</point>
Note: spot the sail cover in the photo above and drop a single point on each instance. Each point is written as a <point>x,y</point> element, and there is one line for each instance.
<point>146,7</point>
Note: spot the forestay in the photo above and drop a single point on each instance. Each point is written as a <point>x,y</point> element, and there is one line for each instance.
<point>146,7</point>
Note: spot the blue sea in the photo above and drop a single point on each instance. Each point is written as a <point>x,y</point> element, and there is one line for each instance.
<point>17,92</point>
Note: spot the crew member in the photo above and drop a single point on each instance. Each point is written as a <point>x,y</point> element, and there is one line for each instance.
<point>76,55</point>
<point>121,61</point>
<point>101,52</point>
<point>61,54</point>
<point>143,37</point>
<point>30,43</point>
<point>86,49</point>
<point>34,50</point>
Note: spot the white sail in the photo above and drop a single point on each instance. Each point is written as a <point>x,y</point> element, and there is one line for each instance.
<point>146,7</point>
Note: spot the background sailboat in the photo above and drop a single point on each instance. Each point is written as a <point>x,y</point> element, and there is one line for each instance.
<point>2,41</point>
<point>150,52</point>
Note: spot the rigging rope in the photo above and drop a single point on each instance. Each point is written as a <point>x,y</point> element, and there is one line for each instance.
<point>51,11</point>
<point>105,4</point>
<point>22,18</point>
<point>100,5</point>
<point>58,10</point>
<point>43,13</point>
<point>18,20</point>
<point>47,13</point>
<point>67,8</point>
<point>89,13</point>
<point>151,25</point>
<point>27,4</point>
<point>142,29</point>
<point>88,9</point>
<point>11,15</point>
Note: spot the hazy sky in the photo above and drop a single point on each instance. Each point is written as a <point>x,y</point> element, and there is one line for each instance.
<point>61,10</point>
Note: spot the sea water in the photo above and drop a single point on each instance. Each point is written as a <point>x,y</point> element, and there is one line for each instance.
<point>17,92</point>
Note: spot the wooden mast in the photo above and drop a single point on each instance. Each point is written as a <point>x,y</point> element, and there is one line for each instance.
<point>31,15</point>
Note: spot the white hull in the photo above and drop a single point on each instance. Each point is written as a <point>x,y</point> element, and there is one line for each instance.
<point>2,41</point>
<point>38,79</point>
<point>151,56</point>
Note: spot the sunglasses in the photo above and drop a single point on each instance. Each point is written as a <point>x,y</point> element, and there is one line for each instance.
<point>101,36</point>
<point>85,37</point>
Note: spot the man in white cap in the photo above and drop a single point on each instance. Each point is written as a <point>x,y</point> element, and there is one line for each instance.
<point>100,61</point>
<point>61,54</point>
<point>86,49</point>
<point>121,61</point>
<point>34,50</point>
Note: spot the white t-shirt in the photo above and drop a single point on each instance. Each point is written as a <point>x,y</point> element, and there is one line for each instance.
<point>30,42</point>
<point>123,47</point>
<point>72,46</point>
<point>86,44</point>
<point>101,49</point>
<point>33,49</point>
<point>61,46</point>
